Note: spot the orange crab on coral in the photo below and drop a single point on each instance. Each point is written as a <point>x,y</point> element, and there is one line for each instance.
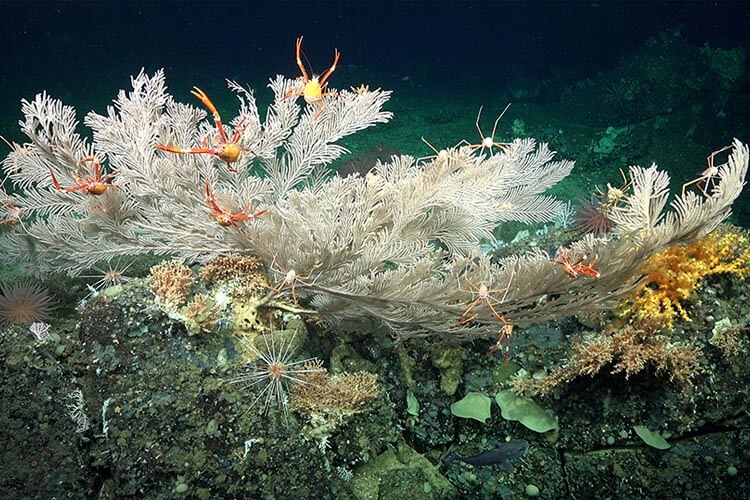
<point>226,149</point>
<point>226,218</point>
<point>577,268</point>
<point>95,185</point>
<point>312,88</point>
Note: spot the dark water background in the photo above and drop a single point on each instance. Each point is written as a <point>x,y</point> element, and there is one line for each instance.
<point>90,47</point>
<point>442,59</point>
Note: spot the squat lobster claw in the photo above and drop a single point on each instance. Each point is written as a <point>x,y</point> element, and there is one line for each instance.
<point>226,218</point>
<point>312,89</point>
<point>227,150</point>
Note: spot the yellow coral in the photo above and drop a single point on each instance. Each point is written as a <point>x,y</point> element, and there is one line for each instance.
<point>673,274</point>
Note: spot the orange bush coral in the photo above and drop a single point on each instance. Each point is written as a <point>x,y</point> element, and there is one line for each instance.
<point>673,275</point>
<point>629,350</point>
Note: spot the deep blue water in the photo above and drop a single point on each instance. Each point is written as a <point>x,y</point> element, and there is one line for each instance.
<point>80,46</point>
<point>88,39</point>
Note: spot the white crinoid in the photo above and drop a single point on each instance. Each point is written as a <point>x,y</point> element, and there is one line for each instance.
<point>275,370</point>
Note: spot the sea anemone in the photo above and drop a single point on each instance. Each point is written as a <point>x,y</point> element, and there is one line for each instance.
<point>24,302</point>
<point>592,216</point>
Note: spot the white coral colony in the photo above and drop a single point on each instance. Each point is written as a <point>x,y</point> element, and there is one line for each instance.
<point>393,245</point>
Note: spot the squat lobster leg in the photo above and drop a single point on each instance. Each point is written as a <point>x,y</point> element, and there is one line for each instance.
<point>488,142</point>
<point>503,339</point>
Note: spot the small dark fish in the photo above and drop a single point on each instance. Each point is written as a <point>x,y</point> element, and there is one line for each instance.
<point>501,454</point>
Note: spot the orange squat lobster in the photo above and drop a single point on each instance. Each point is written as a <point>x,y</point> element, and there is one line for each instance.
<point>312,89</point>
<point>14,214</point>
<point>226,218</point>
<point>227,150</point>
<point>577,268</point>
<point>95,185</point>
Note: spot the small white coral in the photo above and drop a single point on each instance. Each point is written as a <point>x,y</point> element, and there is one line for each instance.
<point>77,410</point>
<point>40,330</point>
